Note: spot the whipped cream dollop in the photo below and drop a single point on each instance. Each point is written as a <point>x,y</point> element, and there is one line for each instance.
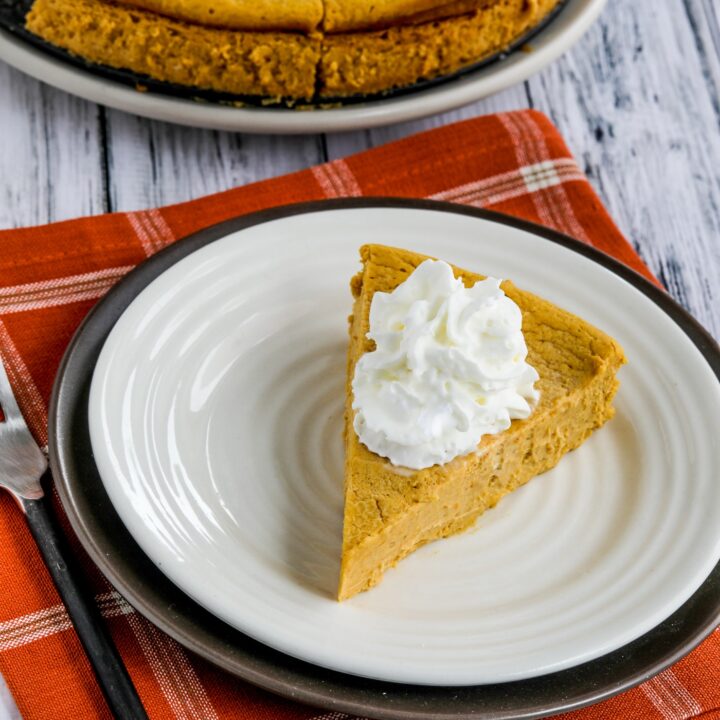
<point>449,367</point>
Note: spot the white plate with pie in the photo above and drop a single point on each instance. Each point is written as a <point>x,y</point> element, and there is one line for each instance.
<point>216,417</point>
<point>553,40</point>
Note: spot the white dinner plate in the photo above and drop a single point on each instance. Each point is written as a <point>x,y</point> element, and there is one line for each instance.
<point>559,35</point>
<point>216,417</point>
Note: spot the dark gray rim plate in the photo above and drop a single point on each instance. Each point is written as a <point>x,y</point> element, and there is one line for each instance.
<point>118,556</point>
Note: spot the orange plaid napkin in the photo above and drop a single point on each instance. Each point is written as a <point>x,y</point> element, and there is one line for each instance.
<point>51,276</point>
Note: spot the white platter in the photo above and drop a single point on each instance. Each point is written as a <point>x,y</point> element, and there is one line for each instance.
<point>215,417</point>
<point>563,32</point>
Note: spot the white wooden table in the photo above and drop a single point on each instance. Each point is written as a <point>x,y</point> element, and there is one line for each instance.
<point>638,101</point>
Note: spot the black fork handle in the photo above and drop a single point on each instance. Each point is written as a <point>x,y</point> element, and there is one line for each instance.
<point>112,676</point>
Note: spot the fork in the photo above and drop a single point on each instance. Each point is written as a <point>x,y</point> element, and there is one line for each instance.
<point>22,467</point>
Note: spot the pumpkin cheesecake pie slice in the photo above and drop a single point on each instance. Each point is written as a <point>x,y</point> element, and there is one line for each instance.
<point>533,395</point>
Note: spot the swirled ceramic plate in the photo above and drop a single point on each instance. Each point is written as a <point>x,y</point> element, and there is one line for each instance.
<point>215,417</point>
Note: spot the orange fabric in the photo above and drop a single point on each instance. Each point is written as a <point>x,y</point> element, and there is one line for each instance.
<point>51,276</point>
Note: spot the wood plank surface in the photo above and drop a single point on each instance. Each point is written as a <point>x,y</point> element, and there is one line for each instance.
<point>50,153</point>
<point>152,163</point>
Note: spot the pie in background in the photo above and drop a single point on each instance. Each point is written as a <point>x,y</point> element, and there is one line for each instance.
<point>295,50</point>
<point>389,511</point>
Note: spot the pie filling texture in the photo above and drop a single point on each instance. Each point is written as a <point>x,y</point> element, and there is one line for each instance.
<point>304,50</point>
<point>389,511</point>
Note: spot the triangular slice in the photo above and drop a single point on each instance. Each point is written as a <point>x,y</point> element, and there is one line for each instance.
<point>389,512</point>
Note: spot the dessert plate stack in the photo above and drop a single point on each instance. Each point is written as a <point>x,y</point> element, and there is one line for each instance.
<point>196,442</point>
